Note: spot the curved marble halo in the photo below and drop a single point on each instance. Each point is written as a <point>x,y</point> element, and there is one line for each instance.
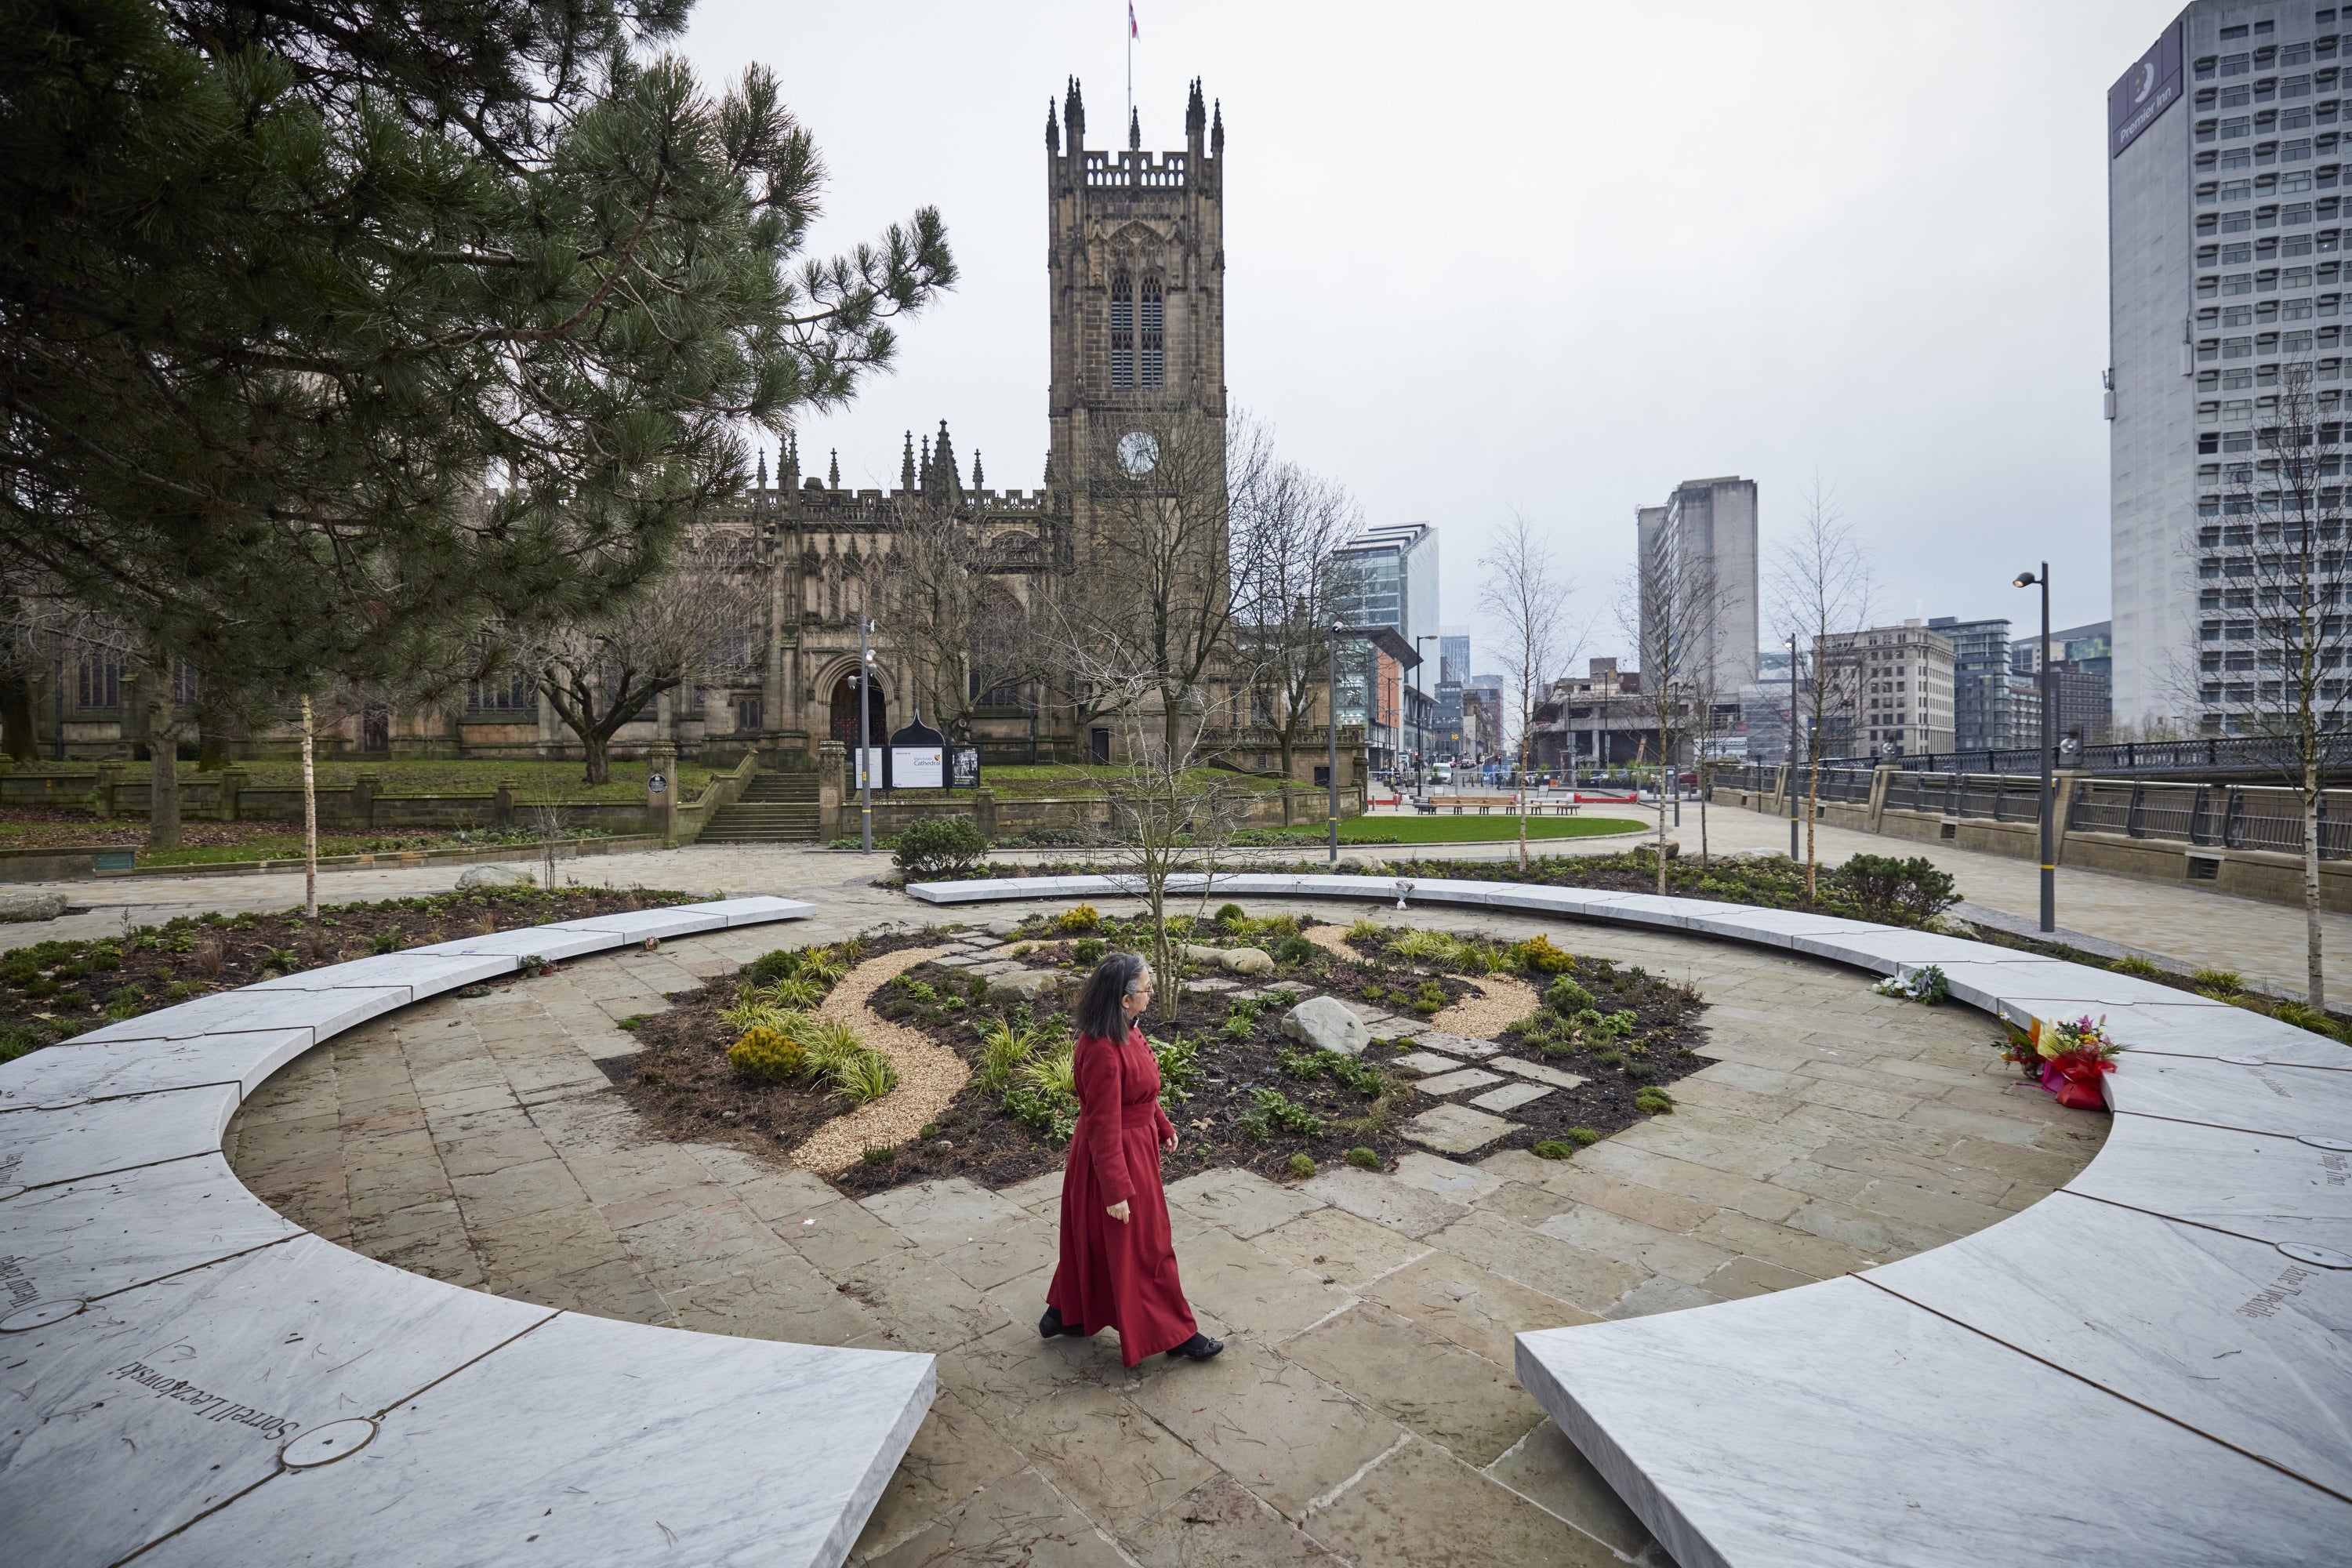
<point>2152,1366</point>
<point>194,1379</point>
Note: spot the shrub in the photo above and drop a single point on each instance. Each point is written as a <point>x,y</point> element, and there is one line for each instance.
<point>1179,1068</point>
<point>1364,1159</point>
<point>1586,1135</point>
<point>1552,1148</point>
<point>1902,892</point>
<point>16,1040</point>
<point>2305,1018</point>
<point>1273,1109</point>
<point>768,1055</point>
<point>938,846</point>
<point>126,1001</point>
<point>1430,999</point>
<point>880,1154</point>
<point>1295,950</point>
<point>1004,1048</point>
<point>1654,1102</point>
<point>1363,929</point>
<point>1566,997</point>
<point>1085,917</point>
<point>1046,1097</point>
<point>2218,981</point>
<point>864,1075</point>
<point>2132,963</point>
<point>1537,955</point>
<point>1230,914</point>
<point>1087,950</point>
<point>389,939</point>
<point>795,993</point>
<point>1421,944</point>
<point>1299,1166</point>
<point>770,967</point>
<point>829,1042</point>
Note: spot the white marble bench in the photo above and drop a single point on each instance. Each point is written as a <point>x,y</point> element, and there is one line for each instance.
<point>189,1378</point>
<point>2152,1366</point>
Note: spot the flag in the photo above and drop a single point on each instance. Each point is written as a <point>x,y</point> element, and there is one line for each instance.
<point>1131,32</point>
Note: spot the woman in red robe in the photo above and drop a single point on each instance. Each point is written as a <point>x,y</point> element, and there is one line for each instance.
<point>1118,1257</point>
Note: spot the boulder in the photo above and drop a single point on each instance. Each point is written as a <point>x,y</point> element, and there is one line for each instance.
<point>30,904</point>
<point>1325,1024</point>
<point>1028,984</point>
<point>1193,953</point>
<point>1002,928</point>
<point>496,877</point>
<point>1247,959</point>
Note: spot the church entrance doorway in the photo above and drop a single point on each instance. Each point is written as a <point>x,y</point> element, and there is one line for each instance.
<point>844,714</point>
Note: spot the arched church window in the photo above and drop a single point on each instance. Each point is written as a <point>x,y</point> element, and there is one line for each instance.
<point>1154,333</point>
<point>1122,330</point>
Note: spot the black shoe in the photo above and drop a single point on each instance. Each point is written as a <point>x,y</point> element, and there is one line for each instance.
<point>1199,1347</point>
<point>1051,1326</point>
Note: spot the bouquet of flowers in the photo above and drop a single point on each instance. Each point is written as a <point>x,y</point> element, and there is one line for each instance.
<point>1925,984</point>
<point>2076,1054</point>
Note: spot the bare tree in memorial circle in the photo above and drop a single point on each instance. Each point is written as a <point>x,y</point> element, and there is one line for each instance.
<point>1821,590</point>
<point>1289,526</point>
<point>1525,602</point>
<point>2274,592</point>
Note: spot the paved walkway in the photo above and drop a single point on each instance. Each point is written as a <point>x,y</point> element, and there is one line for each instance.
<point>1364,1412</point>
<point>2261,941</point>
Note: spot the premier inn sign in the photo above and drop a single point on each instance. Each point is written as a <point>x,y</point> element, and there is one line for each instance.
<point>2143,92</point>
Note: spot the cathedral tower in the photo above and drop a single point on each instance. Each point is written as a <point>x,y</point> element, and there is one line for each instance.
<point>1136,265</point>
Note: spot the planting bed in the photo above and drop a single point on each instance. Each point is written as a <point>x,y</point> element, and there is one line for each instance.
<point>1224,1056</point>
<point>52,991</point>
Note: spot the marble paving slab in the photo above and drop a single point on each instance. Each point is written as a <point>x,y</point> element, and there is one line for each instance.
<point>1835,1426</point>
<point>2294,1102</point>
<point>1456,1129</point>
<point>2196,1028</point>
<point>1511,1097</point>
<point>39,1148</point>
<point>1888,945</point>
<point>133,1417</point>
<point>1454,1045</point>
<point>1426,1062</point>
<point>93,1237</point>
<point>638,925</point>
<point>1455,1082</point>
<point>63,1075</point>
<point>614,1443</point>
<point>2266,1188</point>
<point>2229,1336</point>
<point>2075,988</point>
<point>760,909</point>
<point>553,945</point>
<point>1536,1070</point>
<point>324,1013</point>
<point>424,973</point>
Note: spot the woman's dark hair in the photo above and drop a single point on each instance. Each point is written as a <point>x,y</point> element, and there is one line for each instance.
<point>1100,1012</point>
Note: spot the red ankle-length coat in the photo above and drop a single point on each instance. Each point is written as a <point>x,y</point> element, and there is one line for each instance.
<point>1115,1276</point>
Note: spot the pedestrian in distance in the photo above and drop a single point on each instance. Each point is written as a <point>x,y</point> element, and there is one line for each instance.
<point>1117,1267</point>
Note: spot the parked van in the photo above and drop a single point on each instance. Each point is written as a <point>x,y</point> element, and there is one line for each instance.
<point>1441,773</point>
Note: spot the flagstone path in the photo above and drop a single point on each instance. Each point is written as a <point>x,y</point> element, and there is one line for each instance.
<point>1364,1411</point>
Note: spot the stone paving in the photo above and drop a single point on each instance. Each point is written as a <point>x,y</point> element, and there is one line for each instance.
<point>1364,1411</point>
<point>2261,941</point>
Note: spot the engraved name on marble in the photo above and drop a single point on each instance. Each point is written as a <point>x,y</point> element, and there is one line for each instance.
<point>210,1405</point>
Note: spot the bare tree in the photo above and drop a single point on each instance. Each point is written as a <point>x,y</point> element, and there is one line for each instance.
<point>2275,639</point>
<point>1672,608</point>
<point>1821,590</point>
<point>1525,605</point>
<point>955,619</point>
<point>600,674</point>
<point>1289,526</point>
<point>1159,604</point>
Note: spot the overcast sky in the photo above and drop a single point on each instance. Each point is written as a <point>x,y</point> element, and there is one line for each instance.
<point>1554,259</point>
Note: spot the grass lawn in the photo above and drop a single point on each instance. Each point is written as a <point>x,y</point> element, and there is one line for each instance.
<point>536,778</point>
<point>1498,828</point>
<point>1030,780</point>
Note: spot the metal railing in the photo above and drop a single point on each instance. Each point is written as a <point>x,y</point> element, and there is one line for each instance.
<point>2238,754</point>
<point>2220,817</point>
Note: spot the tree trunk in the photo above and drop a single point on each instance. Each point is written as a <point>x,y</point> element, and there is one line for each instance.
<point>162,759</point>
<point>2315,975</point>
<point>309,819</point>
<point>596,749</point>
<point>1702,818</point>
<point>1812,814</point>
<point>16,718</point>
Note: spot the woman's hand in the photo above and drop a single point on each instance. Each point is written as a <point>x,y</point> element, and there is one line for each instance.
<point>1168,1142</point>
<point>1118,1211</point>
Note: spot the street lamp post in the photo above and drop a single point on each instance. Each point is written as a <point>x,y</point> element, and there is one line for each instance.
<point>2049,717</point>
<point>1792,746</point>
